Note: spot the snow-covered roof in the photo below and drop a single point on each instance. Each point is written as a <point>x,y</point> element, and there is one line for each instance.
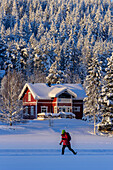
<point>43,91</point>
<point>57,91</point>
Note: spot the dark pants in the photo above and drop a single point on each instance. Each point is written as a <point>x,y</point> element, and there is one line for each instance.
<point>69,147</point>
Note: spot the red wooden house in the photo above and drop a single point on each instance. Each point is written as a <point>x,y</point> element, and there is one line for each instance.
<point>39,98</point>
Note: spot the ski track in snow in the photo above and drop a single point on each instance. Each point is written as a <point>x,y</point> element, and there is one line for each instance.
<point>35,146</point>
<point>53,152</point>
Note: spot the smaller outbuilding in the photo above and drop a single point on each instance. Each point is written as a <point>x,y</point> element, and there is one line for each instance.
<point>41,98</point>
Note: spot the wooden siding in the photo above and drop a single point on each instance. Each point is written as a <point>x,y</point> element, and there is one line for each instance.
<point>54,103</point>
<point>50,104</point>
<point>64,104</point>
<point>28,105</point>
<point>47,103</point>
<point>25,98</point>
<point>78,103</point>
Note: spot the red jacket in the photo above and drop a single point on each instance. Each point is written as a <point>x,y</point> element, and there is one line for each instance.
<point>65,139</point>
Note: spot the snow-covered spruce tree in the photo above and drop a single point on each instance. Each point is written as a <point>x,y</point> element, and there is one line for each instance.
<point>86,23</point>
<point>106,97</point>
<point>41,61</point>
<point>12,55</point>
<point>26,58</point>
<point>93,88</point>
<point>25,28</point>
<point>10,106</point>
<point>55,75</point>
<point>3,56</point>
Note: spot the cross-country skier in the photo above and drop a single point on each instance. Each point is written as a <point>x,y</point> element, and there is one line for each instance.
<point>66,142</point>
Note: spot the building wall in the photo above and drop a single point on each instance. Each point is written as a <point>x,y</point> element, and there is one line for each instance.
<point>27,113</point>
<point>77,108</point>
<point>44,103</point>
<point>29,106</point>
<point>52,105</point>
<point>25,98</point>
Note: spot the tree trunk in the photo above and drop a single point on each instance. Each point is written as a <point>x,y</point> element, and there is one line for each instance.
<point>94,125</point>
<point>10,122</point>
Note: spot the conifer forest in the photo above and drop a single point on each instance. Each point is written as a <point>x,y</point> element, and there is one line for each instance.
<point>66,41</point>
<point>36,33</point>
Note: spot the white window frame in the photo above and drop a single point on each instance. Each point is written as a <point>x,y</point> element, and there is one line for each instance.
<point>32,110</point>
<point>76,109</point>
<point>44,107</point>
<point>60,109</point>
<point>29,96</point>
<point>63,108</point>
<point>55,109</point>
<point>67,108</point>
<point>26,111</point>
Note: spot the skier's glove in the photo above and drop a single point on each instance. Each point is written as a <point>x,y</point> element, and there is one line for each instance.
<point>59,143</point>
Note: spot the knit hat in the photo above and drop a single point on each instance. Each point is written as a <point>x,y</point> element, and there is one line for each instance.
<point>63,131</point>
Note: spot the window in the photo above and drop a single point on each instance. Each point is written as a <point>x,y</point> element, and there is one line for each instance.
<point>32,110</point>
<point>60,109</point>
<point>64,109</point>
<point>29,96</point>
<point>68,109</point>
<point>44,109</point>
<point>76,109</point>
<point>26,111</point>
<point>55,109</point>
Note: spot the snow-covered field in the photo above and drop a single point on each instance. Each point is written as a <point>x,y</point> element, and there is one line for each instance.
<point>35,146</point>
